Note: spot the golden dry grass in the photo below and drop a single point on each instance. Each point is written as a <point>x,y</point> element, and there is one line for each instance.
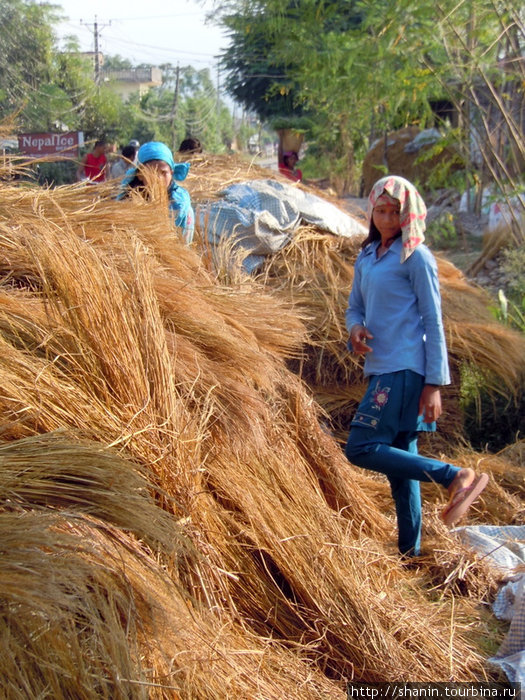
<point>315,273</point>
<point>87,613</point>
<point>193,531</point>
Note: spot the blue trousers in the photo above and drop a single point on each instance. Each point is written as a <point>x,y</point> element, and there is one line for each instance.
<point>383,438</point>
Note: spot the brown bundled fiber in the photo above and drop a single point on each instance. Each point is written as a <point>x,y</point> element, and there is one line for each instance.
<point>276,582</point>
<point>316,270</point>
<point>92,605</point>
<point>389,151</point>
<point>87,614</point>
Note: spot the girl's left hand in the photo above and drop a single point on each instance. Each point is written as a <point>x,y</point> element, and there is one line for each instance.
<point>430,403</point>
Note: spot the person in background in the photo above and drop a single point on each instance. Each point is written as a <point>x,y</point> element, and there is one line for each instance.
<point>288,166</point>
<point>112,157</point>
<point>155,162</point>
<point>394,320</point>
<point>93,166</point>
<point>136,145</point>
<point>190,145</point>
<point>127,160</point>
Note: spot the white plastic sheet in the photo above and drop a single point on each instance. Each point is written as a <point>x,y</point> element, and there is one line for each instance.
<point>504,547</point>
<point>261,216</point>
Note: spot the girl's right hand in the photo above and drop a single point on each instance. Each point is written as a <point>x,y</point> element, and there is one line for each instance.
<point>358,337</point>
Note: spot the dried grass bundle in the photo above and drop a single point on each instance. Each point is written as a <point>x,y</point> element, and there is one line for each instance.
<point>209,174</point>
<point>453,570</point>
<point>88,613</point>
<point>515,453</point>
<point>59,472</point>
<point>315,272</point>
<point>326,588</point>
<point>112,328</point>
<point>11,166</point>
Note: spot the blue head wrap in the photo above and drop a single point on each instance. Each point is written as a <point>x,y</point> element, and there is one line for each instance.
<point>180,202</point>
<point>156,150</point>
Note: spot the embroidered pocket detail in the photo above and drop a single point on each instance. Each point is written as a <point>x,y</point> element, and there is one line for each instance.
<point>380,397</point>
<point>368,414</point>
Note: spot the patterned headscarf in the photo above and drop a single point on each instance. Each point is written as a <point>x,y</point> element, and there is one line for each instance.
<point>412,213</point>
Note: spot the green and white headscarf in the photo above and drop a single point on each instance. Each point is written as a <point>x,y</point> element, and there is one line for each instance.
<point>412,213</point>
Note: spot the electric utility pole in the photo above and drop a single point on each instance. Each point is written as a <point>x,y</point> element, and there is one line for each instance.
<point>96,28</point>
<point>174,108</point>
<point>218,106</point>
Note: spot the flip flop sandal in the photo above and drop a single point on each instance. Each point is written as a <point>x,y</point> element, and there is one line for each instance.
<point>463,499</point>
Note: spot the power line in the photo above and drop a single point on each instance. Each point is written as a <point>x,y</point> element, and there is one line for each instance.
<point>155,51</point>
<point>169,25</point>
<point>132,19</point>
<point>162,48</point>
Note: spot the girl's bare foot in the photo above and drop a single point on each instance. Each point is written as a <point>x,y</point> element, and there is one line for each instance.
<point>464,490</point>
<point>462,480</point>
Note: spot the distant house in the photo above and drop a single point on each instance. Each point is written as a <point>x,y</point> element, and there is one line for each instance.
<point>126,81</point>
<point>131,80</point>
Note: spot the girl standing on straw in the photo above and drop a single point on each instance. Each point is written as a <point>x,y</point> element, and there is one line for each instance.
<point>155,160</point>
<point>394,319</point>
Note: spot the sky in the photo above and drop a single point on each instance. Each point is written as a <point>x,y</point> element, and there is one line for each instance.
<point>150,31</point>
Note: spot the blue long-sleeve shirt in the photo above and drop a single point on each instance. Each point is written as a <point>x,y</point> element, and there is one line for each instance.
<point>400,304</point>
<point>180,205</point>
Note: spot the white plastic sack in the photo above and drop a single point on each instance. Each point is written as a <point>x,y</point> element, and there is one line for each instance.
<point>260,217</point>
<point>507,214</point>
<point>504,548</point>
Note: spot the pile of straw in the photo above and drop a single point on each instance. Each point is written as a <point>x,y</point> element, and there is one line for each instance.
<point>417,166</point>
<point>177,523</point>
<point>315,274</point>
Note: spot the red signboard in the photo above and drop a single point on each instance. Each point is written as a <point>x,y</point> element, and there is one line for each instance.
<point>49,144</point>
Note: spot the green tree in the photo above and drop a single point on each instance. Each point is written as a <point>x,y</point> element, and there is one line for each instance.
<point>364,67</point>
<point>73,75</point>
<point>26,51</point>
<point>186,104</point>
<point>484,77</point>
<point>256,79</point>
<point>204,115</point>
<point>44,89</point>
<point>116,63</point>
<point>280,59</point>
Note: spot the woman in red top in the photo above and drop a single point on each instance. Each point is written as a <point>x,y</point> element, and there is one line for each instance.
<point>287,167</point>
<point>93,165</point>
